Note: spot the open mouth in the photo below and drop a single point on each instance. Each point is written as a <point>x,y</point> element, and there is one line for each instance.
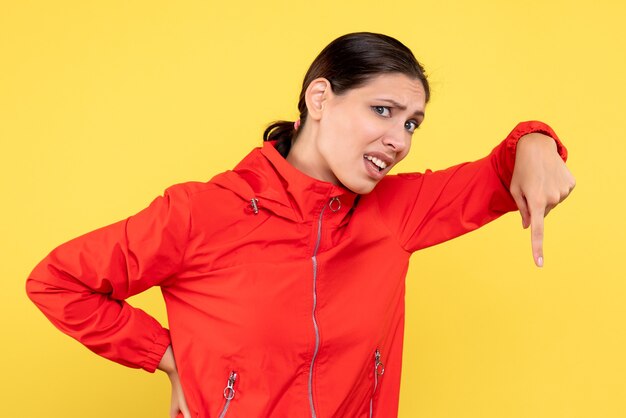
<point>376,162</point>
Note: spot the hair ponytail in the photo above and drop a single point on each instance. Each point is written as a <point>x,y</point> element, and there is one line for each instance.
<point>283,132</point>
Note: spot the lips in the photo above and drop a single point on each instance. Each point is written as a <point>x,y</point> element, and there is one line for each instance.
<point>377,164</point>
<point>379,159</point>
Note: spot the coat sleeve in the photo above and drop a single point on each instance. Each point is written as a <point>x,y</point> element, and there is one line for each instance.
<point>81,286</point>
<point>425,209</point>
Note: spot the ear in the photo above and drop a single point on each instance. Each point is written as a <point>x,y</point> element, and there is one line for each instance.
<point>316,95</point>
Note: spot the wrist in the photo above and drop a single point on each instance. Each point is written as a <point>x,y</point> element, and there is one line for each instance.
<point>168,363</point>
<point>537,139</point>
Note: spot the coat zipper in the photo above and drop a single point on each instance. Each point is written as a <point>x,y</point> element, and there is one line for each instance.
<point>229,392</point>
<point>315,326</point>
<point>379,370</point>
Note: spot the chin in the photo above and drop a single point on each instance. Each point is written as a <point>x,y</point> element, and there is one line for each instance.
<point>360,187</point>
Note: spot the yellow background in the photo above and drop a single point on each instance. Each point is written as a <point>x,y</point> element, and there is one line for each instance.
<point>105,104</point>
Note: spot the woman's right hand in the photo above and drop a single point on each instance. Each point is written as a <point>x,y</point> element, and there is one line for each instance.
<point>178,405</point>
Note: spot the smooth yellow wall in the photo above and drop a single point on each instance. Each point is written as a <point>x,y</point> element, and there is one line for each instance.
<point>104,104</point>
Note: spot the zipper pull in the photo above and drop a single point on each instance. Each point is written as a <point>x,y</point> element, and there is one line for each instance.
<point>334,204</point>
<point>229,390</point>
<point>378,365</point>
<point>254,203</point>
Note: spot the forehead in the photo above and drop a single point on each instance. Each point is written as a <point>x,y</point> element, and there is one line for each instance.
<point>403,89</point>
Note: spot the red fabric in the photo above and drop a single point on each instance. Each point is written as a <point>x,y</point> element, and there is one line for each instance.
<point>239,280</point>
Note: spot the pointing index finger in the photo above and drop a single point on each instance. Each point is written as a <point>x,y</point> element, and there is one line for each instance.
<point>536,234</point>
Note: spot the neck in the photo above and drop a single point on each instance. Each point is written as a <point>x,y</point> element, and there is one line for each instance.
<point>305,156</point>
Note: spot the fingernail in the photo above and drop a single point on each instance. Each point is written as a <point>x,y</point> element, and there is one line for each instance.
<point>540,262</point>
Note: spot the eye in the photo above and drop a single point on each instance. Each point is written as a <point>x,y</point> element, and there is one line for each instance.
<point>382,110</point>
<point>411,125</point>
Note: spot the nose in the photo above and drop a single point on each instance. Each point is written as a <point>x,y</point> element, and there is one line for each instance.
<point>397,139</point>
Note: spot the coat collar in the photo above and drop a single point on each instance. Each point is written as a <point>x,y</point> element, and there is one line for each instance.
<point>278,186</point>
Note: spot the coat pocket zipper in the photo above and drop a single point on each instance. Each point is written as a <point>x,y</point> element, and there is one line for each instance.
<point>379,370</point>
<point>229,392</point>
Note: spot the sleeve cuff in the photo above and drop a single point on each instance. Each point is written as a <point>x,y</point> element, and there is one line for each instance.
<point>505,151</point>
<point>154,356</point>
<point>524,128</point>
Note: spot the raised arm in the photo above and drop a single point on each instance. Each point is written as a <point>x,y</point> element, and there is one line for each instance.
<point>425,209</point>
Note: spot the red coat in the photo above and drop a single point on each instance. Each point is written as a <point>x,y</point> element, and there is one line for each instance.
<point>283,293</point>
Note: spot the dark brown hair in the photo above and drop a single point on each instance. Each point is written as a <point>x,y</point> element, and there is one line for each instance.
<point>347,63</point>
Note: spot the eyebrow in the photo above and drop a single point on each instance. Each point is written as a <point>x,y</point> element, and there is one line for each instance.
<point>401,106</point>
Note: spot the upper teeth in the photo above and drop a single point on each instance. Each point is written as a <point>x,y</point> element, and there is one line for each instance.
<point>380,163</point>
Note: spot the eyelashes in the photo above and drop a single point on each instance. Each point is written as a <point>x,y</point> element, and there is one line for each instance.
<point>411,125</point>
<point>382,110</point>
<point>385,111</point>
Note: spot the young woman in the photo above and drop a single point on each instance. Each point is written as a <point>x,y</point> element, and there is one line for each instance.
<point>284,278</point>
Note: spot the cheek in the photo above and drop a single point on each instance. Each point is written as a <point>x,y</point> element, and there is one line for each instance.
<point>362,137</point>
<point>336,129</point>
<point>358,121</point>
